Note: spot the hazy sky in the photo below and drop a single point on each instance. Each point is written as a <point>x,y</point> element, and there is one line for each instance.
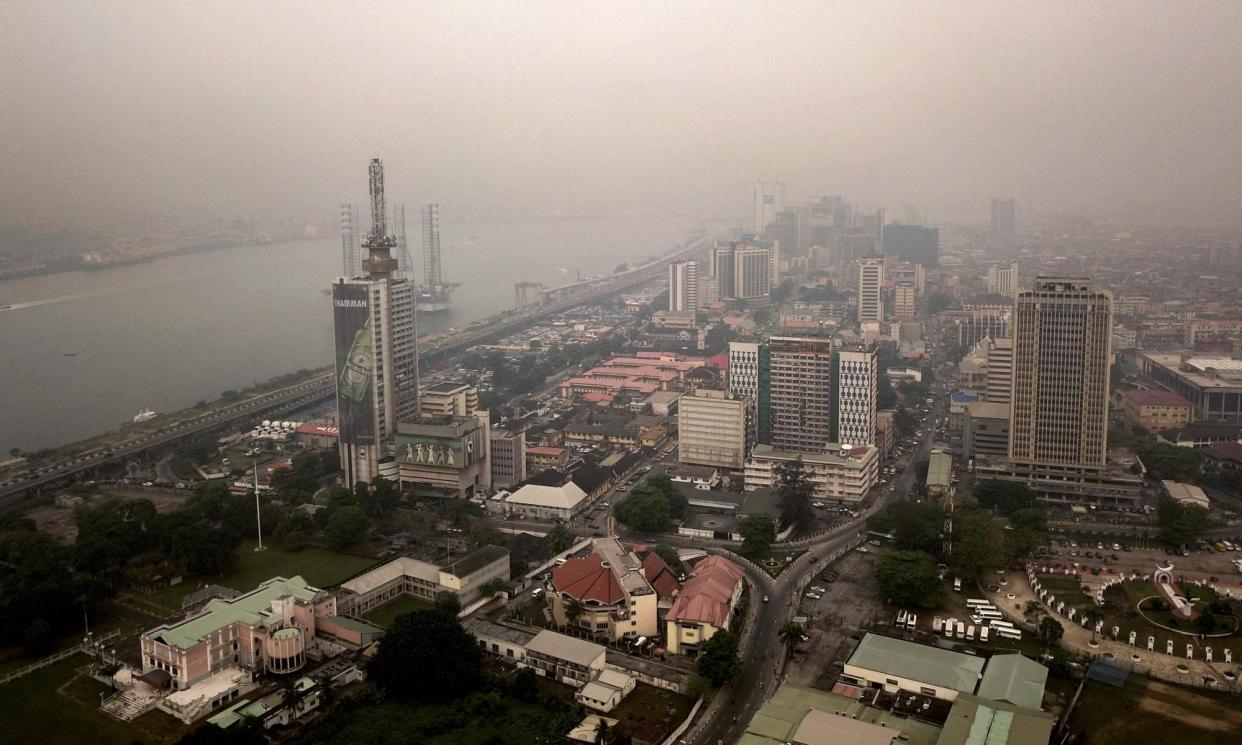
<point>273,108</point>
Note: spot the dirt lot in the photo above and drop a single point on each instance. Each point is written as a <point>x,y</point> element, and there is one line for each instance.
<point>849,603</point>
<point>59,522</point>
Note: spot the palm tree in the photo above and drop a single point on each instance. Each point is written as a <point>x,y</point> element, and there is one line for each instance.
<point>602,735</point>
<point>573,610</point>
<point>791,634</point>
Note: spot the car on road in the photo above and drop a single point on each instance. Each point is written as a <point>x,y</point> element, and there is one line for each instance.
<point>765,598</point>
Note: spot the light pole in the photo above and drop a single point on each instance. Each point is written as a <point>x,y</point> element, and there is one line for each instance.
<point>258,513</point>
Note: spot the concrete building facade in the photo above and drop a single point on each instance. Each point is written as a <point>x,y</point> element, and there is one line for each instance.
<point>870,290</point>
<point>715,430</point>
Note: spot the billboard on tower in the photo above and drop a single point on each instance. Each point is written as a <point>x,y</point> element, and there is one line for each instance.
<point>355,363</point>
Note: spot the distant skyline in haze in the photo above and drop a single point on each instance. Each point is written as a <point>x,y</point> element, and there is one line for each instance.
<point>117,110</point>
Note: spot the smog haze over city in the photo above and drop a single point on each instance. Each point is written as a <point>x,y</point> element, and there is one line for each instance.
<point>115,110</point>
<point>608,372</point>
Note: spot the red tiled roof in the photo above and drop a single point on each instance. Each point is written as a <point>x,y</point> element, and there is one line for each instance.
<point>659,575</point>
<point>588,579</point>
<point>706,596</point>
<point>1156,398</point>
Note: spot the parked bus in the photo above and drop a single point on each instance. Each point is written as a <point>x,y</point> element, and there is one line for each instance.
<point>1003,633</point>
<point>983,633</point>
<point>984,613</point>
<point>978,603</point>
<point>1001,624</point>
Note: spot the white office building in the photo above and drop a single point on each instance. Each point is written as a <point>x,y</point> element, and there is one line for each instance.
<point>857,389</point>
<point>870,290</point>
<point>683,286</point>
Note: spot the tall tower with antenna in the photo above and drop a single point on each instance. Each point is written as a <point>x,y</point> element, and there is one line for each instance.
<point>376,344</point>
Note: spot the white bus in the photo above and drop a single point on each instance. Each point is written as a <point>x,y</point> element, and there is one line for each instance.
<point>911,621</point>
<point>989,614</point>
<point>983,633</point>
<point>978,603</point>
<point>949,623</point>
<point>1001,624</point>
<point>970,633</point>
<point>1003,633</point>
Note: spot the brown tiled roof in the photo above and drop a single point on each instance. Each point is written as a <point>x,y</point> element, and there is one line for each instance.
<point>706,595</point>
<point>660,575</point>
<point>1224,451</point>
<point>588,579</point>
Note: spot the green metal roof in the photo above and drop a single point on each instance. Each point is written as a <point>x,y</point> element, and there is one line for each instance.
<point>369,632</point>
<point>938,469</point>
<point>976,721</point>
<point>930,665</point>
<point>1014,679</point>
<point>252,609</point>
<point>777,721</point>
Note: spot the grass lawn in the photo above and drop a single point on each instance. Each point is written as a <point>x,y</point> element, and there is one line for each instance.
<point>34,711</point>
<point>1066,589</point>
<point>651,713</point>
<point>320,567</point>
<point>105,618</point>
<point>1155,712</point>
<point>384,616</point>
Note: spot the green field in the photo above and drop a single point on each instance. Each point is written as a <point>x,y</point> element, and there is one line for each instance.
<point>1155,712</point>
<point>319,567</point>
<point>35,710</point>
<point>385,615</point>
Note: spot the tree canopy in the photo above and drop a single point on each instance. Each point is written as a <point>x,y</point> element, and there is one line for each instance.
<point>1004,496</point>
<point>427,656</point>
<point>909,578</point>
<point>758,532</point>
<point>1180,524</point>
<point>793,491</point>
<point>978,544</point>
<point>718,659</point>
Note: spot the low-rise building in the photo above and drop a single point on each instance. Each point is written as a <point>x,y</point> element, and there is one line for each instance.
<point>545,502</point>
<point>896,665</point>
<point>842,473</point>
<point>939,473</point>
<point>1156,410</point>
<point>406,576</point>
<point>543,457</point>
<point>605,593</point>
<point>1116,484</point>
<point>448,399</point>
<point>705,604</point>
<point>1187,494</point>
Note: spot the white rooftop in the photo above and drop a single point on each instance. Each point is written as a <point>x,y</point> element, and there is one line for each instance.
<point>558,497</point>
<point>208,688</point>
<point>400,567</point>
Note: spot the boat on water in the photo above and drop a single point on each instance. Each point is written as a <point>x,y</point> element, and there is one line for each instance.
<point>144,415</point>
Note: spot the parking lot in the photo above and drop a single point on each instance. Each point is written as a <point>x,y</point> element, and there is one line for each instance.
<point>848,602</point>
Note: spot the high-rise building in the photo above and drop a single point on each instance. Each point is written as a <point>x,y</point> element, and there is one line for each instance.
<point>683,286</point>
<point>870,290</point>
<point>748,378</point>
<point>1003,216</point>
<point>908,273</point>
<point>904,301</point>
<point>376,344</point>
<point>351,263</point>
<point>769,199</point>
<point>912,243</point>
<point>448,399</point>
<point>1061,356</point>
<point>714,429</point>
<point>998,380</point>
<point>979,323</point>
<point>744,270</point>
<point>507,458</point>
<point>1003,279</point>
<point>857,387</point>
<point>801,383</point>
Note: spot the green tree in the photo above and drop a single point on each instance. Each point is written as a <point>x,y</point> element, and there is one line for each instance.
<point>447,603</point>
<point>1027,530</point>
<point>574,610</point>
<point>978,544</point>
<point>1004,496</point>
<point>38,582</point>
<point>794,494</point>
<point>645,509</point>
<point>909,578</point>
<point>1050,630</point>
<point>790,634</point>
<point>1180,524</point>
<point>718,659</point>
<point>346,526</point>
<point>758,532</point>
<point>294,529</point>
<point>445,657</point>
<point>669,554</point>
<point>559,539</point>
<point>917,526</point>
